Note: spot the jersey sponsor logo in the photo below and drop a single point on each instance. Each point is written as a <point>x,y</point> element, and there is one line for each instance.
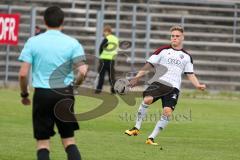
<point>174,61</point>
<point>181,56</point>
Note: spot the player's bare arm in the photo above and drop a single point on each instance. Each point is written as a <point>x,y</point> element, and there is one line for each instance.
<point>23,80</point>
<point>144,70</point>
<point>81,72</point>
<point>195,82</point>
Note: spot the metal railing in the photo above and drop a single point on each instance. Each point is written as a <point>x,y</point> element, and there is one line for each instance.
<point>149,21</point>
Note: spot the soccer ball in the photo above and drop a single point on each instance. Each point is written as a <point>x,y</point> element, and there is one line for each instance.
<point>121,86</point>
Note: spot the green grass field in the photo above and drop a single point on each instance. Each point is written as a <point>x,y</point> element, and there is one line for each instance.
<point>201,129</point>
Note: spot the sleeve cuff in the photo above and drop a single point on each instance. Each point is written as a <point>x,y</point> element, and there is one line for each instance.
<point>188,72</point>
<point>150,64</point>
<point>25,60</point>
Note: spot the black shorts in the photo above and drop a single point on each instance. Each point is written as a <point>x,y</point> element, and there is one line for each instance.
<point>169,95</point>
<point>44,118</point>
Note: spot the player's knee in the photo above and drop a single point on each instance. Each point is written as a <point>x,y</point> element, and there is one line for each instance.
<point>167,111</point>
<point>148,100</point>
<point>43,144</point>
<point>68,141</point>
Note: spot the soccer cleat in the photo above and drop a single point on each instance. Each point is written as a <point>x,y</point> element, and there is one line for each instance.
<point>132,132</point>
<point>151,142</point>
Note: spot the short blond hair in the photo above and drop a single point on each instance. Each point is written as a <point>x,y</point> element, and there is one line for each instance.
<point>177,28</point>
<point>107,28</point>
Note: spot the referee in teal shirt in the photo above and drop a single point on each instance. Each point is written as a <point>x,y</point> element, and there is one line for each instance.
<point>45,53</point>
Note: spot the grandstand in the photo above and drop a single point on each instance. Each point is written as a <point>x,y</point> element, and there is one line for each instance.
<point>211,28</point>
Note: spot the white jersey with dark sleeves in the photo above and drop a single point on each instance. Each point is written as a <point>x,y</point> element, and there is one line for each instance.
<point>176,62</point>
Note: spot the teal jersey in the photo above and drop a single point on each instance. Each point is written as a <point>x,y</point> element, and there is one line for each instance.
<point>47,52</point>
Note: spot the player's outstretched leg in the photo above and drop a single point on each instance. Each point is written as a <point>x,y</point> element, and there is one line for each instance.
<point>161,124</point>
<point>142,111</point>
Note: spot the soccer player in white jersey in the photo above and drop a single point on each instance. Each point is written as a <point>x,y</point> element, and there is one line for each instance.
<point>177,61</point>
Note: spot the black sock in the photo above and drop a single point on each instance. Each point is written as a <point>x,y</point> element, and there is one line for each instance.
<point>43,154</point>
<point>73,152</point>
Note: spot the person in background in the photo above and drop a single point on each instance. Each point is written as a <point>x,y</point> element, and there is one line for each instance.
<point>107,53</point>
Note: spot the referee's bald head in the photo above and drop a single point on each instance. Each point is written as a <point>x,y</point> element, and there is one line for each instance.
<point>53,16</point>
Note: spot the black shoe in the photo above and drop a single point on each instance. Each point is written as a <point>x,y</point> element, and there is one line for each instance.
<point>97,91</point>
<point>113,91</point>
